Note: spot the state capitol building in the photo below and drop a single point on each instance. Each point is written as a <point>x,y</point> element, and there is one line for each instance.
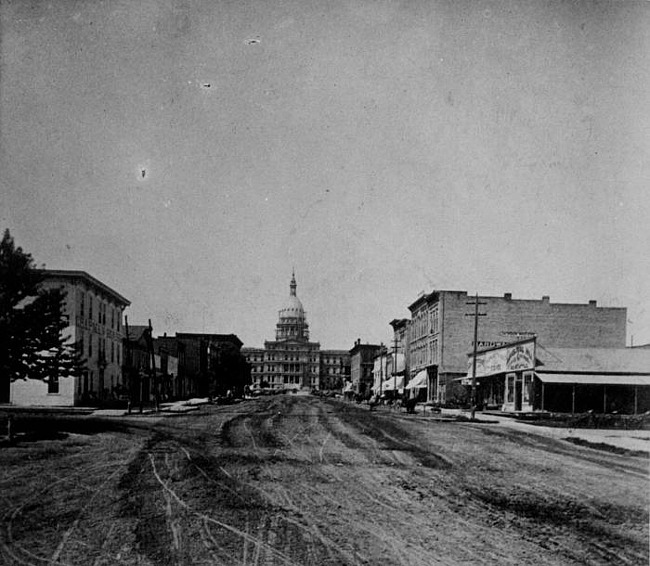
<point>292,361</point>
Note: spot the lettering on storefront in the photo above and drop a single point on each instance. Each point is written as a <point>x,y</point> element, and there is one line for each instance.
<point>488,344</point>
<point>97,328</point>
<point>509,358</point>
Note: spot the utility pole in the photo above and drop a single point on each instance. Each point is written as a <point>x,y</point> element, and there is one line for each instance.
<point>394,372</point>
<point>128,362</point>
<point>153,367</point>
<point>381,369</point>
<point>475,314</point>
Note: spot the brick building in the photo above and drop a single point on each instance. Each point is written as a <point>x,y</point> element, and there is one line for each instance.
<point>173,349</point>
<point>440,335</point>
<point>212,363</point>
<point>362,361</point>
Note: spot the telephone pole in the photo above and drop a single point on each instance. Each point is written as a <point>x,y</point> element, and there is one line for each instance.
<point>475,314</point>
<point>394,372</point>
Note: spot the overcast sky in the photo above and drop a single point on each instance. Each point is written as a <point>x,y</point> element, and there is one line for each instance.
<point>380,148</point>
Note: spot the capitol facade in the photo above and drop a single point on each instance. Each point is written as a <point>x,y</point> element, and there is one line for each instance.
<point>292,361</point>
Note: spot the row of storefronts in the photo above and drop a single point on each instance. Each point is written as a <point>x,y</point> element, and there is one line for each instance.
<point>125,363</point>
<point>531,355</point>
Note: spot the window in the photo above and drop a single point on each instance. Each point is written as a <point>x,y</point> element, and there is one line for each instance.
<point>528,387</point>
<point>90,347</point>
<point>112,352</point>
<point>82,305</point>
<point>53,384</point>
<point>90,307</point>
<point>510,388</point>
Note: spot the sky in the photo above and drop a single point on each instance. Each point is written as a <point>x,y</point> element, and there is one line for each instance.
<point>191,154</point>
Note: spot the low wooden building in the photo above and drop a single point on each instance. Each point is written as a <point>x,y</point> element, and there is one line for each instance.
<point>525,376</point>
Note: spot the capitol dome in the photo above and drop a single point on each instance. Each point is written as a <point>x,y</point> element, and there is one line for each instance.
<point>292,323</point>
<point>292,308</point>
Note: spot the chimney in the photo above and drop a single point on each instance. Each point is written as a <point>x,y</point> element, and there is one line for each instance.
<point>546,299</point>
<point>593,303</point>
<point>507,296</point>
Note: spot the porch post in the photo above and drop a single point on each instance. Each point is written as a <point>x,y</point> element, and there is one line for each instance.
<point>542,395</point>
<point>573,399</point>
<point>636,399</point>
<point>604,399</point>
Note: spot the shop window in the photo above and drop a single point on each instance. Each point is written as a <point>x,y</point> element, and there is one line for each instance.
<point>53,384</point>
<point>510,388</point>
<point>528,387</point>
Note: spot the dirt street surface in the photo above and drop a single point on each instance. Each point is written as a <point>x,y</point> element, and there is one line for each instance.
<point>291,480</point>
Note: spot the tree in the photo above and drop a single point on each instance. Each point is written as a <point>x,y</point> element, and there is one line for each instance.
<point>32,322</point>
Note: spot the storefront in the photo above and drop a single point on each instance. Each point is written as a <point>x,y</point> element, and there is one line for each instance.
<point>524,377</point>
<point>504,376</point>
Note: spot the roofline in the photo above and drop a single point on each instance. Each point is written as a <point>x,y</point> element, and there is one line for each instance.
<point>426,297</point>
<point>208,335</point>
<point>72,274</point>
<point>398,322</point>
<point>506,345</point>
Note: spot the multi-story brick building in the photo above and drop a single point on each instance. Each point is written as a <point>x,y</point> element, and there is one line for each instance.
<point>174,349</point>
<point>94,312</point>
<point>362,361</point>
<point>206,357</point>
<point>334,369</point>
<point>441,332</point>
<point>292,361</point>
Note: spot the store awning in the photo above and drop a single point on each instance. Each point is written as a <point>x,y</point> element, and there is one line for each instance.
<point>401,363</point>
<point>420,381</point>
<point>594,379</point>
<point>393,384</point>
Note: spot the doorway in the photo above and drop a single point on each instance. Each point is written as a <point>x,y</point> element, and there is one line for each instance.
<point>518,392</point>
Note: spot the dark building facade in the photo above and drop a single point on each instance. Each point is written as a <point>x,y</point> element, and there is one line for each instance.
<point>212,364</point>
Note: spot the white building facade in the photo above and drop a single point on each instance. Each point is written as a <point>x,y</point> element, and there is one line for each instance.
<point>95,313</point>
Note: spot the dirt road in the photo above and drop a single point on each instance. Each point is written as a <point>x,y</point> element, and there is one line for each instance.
<point>298,480</point>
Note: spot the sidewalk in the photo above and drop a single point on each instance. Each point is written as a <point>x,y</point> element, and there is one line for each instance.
<point>637,440</point>
<point>634,440</point>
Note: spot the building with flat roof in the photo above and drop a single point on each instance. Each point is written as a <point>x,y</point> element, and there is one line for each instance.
<point>94,312</point>
<point>526,376</point>
<point>362,365</point>
<point>441,332</point>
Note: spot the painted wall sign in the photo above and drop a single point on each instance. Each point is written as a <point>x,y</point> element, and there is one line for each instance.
<point>508,358</point>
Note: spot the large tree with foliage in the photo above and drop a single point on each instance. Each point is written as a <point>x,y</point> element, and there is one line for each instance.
<point>32,322</point>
